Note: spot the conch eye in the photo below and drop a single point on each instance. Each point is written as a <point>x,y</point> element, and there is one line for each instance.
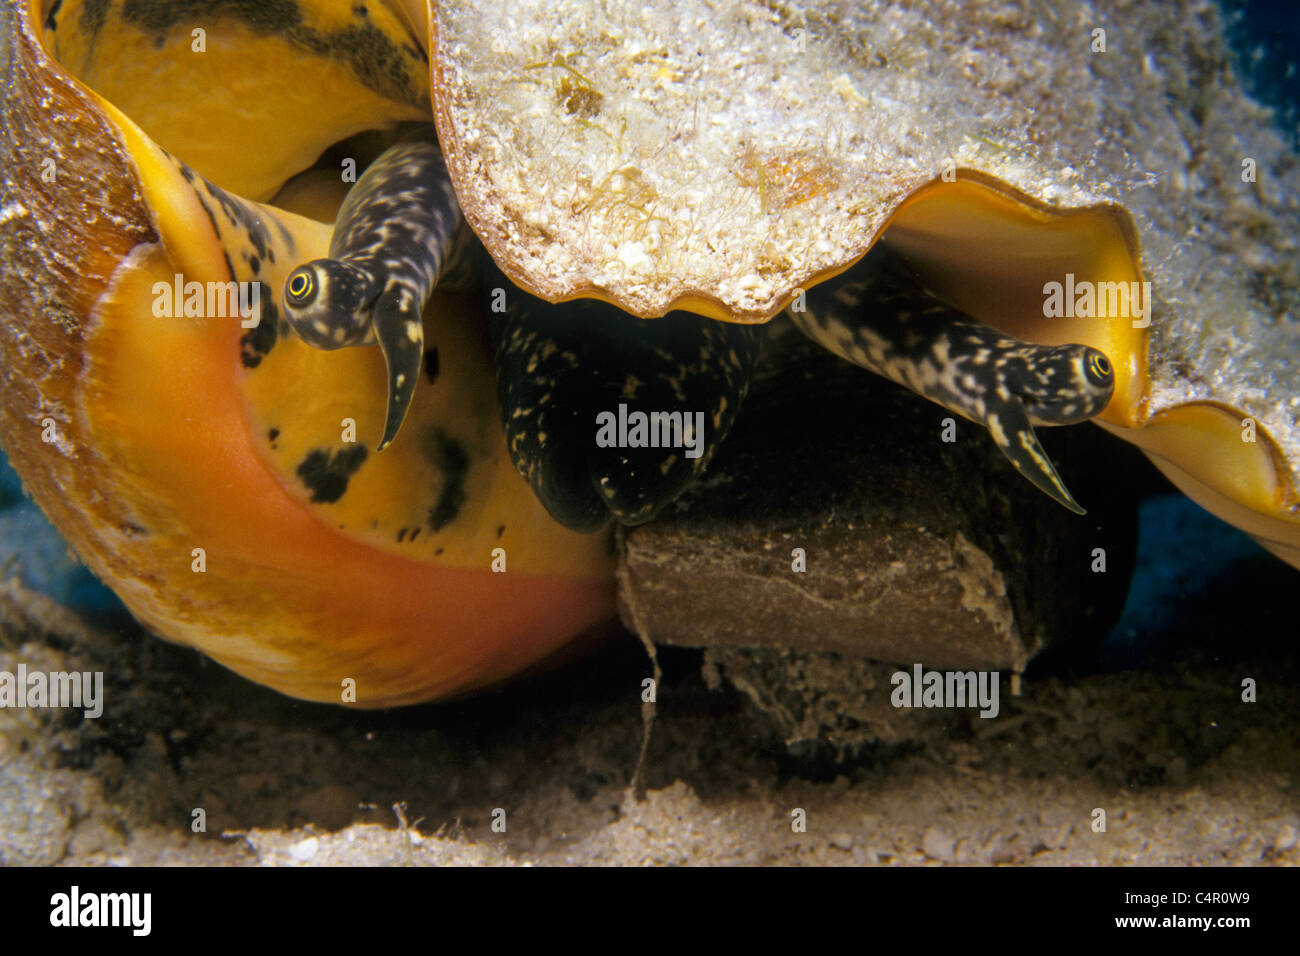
<point>1098,368</point>
<point>300,285</point>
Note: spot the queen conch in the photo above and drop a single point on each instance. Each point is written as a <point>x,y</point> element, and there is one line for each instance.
<point>719,157</point>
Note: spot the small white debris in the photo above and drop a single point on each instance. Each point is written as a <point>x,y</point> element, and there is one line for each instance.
<point>304,850</point>
<point>14,210</point>
<point>1286,839</point>
<point>841,840</point>
<point>937,845</point>
<point>633,256</point>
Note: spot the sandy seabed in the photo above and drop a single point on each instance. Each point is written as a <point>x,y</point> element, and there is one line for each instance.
<point>1186,772</point>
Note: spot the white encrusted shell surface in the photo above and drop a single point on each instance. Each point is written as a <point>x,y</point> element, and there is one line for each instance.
<point>732,149</point>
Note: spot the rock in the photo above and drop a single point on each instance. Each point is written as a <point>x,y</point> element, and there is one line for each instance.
<point>37,823</point>
<point>1286,840</point>
<point>916,550</point>
<point>938,845</point>
<point>1005,853</point>
<point>842,841</point>
<point>821,704</point>
<point>304,850</point>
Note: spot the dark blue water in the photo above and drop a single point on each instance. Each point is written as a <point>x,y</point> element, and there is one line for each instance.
<point>1265,36</point>
<point>1201,584</point>
<point>37,555</point>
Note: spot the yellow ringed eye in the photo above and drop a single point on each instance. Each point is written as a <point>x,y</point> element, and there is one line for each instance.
<point>1099,365</point>
<point>299,285</point>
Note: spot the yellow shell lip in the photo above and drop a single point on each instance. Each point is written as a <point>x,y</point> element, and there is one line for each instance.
<point>157,479</point>
<point>1236,470</point>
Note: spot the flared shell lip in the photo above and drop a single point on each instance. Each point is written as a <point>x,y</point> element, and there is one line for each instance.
<point>1125,418</point>
<point>170,224</point>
